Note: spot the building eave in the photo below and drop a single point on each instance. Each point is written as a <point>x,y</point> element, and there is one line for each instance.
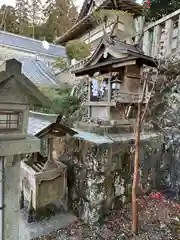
<point>109,65</point>
<point>90,70</point>
<point>21,146</point>
<point>77,30</point>
<point>87,22</point>
<point>28,51</point>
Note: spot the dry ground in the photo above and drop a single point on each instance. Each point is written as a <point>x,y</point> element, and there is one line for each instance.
<point>159,220</point>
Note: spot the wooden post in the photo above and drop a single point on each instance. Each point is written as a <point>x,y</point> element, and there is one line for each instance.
<point>109,96</point>
<point>30,208</point>
<point>21,200</point>
<point>156,40</point>
<point>50,149</point>
<point>168,40</point>
<point>89,98</point>
<point>50,163</point>
<point>146,43</point>
<point>178,37</point>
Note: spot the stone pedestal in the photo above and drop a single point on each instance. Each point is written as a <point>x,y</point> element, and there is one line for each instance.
<point>12,191</point>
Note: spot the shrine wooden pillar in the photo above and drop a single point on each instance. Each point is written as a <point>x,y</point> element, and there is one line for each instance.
<point>109,98</point>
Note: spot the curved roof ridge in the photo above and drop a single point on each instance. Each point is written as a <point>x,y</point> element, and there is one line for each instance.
<point>36,74</point>
<point>44,73</point>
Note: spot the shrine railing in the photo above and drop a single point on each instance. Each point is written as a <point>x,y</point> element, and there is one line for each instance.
<point>119,96</point>
<point>162,37</point>
<point>127,97</point>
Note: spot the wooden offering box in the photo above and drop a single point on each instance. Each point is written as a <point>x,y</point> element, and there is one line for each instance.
<point>42,186</point>
<point>43,179</point>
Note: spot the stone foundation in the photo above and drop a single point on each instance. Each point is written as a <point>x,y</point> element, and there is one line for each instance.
<point>100,175</point>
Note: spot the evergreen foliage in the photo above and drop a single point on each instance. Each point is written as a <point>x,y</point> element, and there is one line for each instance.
<point>63,102</point>
<point>22,15</point>
<point>160,8</point>
<point>77,49</point>
<point>34,18</point>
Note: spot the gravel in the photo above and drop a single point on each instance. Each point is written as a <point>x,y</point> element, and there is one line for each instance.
<point>159,220</point>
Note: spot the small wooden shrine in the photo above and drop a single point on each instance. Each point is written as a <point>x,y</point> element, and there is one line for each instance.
<point>115,83</point>
<point>44,180</point>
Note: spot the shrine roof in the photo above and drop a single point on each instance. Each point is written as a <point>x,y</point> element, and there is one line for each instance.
<point>30,45</point>
<point>109,53</point>
<point>12,70</point>
<point>111,138</point>
<point>38,72</point>
<point>39,126</point>
<point>36,125</point>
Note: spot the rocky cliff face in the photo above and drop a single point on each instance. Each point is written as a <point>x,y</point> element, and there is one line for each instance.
<point>167,120</point>
<point>100,175</point>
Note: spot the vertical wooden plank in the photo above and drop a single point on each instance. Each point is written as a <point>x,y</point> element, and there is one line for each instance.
<point>156,40</point>
<point>109,90</point>
<point>50,149</point>
<point>168,40</point>
<point>178,37</point>
<point>109,95</point>
<point>89,97</point>
<point>146,43</point>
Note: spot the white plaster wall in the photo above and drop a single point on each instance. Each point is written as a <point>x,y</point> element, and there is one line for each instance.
<point>100,112</point>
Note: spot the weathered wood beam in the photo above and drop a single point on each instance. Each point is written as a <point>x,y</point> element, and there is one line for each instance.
<point>168,40</point>
<point>160,21</point>
<point>156,40</point>
<point>146,43</point>
<point>126,63</point>
<point>178,36</point>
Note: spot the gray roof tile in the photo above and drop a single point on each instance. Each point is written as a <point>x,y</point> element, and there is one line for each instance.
<point>30,44</point>
<point>35,125</point>
<point>38,72</point>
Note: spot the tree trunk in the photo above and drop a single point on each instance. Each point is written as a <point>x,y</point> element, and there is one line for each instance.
<point>136,173</point>
<point>135,219</point>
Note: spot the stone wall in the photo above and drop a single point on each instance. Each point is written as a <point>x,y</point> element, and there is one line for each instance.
<point>100,175</point>
<point>171,166</point>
